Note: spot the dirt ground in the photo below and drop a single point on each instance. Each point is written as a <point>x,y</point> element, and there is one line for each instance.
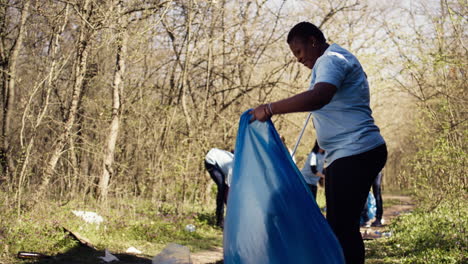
<point>405,205</point>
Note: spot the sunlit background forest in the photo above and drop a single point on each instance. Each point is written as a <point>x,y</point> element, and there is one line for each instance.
<point>113,103</point>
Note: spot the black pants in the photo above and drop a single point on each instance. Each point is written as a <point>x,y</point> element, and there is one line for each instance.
<point>313,189</point>
<point>219,178</point>
<point>377,191</point>
<point>347,184</point>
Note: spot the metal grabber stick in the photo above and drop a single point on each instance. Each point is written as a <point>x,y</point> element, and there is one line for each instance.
<point>301,134</point>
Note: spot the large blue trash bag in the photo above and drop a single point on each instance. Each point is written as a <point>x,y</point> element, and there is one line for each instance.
<point>272,216</point>
<point>371,206</point>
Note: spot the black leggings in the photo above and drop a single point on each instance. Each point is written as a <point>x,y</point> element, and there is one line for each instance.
<point>347,184</point>
<point>313,189</point>
<point>219,178</point>
<point>377,191</point>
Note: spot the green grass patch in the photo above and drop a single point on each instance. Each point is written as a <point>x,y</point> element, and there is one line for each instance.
<point>387,203</point>
<point>128,223</point>
<point>436,237</point>
<point>321,198</point>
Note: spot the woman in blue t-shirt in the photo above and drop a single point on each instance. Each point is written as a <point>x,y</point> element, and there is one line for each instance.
<point>355,152</point>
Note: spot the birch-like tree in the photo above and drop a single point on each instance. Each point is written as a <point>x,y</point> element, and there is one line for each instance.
<point>117,90</point>
<point>9,58</point>
<point>85,11</point>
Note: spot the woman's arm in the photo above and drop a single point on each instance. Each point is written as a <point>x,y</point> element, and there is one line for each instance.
<point>303,102</point>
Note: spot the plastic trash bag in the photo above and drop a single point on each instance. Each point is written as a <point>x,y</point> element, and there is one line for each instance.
<point>173,254</point>
<point>371,206</point>
<point>89,217</point>
<point>133,250</point>
<point>271,215</point>
<point>371,209</point>
<point>108,257</point>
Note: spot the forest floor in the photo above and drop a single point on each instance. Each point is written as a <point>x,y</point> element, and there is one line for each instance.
<point>394,205</point>
<point>399,204</point>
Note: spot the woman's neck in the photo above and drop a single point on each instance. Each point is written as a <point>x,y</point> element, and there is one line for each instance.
<point>323,48</point>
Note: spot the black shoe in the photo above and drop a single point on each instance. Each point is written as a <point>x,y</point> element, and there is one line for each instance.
<point>377,223</point>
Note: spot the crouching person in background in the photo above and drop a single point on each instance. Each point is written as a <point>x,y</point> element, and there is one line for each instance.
<point>313,168</point>
<point>219,164</point>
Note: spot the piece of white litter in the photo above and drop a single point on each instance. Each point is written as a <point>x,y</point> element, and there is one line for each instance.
<point>173,254</point>
<point>108,257</point>
<point>133,250</point>
<point>89,217</point>
<point>190,228</point>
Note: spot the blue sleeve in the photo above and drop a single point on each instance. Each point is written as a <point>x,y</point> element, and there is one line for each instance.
<point>331,68</point>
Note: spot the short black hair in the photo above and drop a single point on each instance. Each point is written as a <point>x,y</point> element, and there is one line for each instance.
<point>304,30</point>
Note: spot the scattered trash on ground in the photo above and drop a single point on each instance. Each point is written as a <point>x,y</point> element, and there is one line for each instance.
<point>31,255</point>
<point>190,228</point>
<point>89,217</point>
<point>133,250</point>
<point>387,234</point>
<point>108,257</point>
<point>173,254</point>
<point>369,234</point>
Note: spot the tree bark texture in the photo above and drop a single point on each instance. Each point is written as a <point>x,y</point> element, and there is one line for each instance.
<point>80,71</point>
<point>117,89</point>
<point>9,83</point>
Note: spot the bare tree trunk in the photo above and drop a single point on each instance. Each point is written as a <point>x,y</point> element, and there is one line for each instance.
<point>117,88</point>
<point>209,60</point>
<point>51,78</point>
<point>75,172</point>
<point>190,14</point>
<point>3,83</point>
<point>9,94</point>
<point>80,71</point>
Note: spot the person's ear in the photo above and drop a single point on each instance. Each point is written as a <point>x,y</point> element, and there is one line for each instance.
<point>313,41</point>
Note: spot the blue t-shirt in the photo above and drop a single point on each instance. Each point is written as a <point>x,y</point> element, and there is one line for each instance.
<point>344,126</point>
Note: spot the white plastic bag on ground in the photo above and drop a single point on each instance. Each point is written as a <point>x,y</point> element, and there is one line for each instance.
<point>133,250</point>
<point>173,254</point>
<point>89,217</point>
